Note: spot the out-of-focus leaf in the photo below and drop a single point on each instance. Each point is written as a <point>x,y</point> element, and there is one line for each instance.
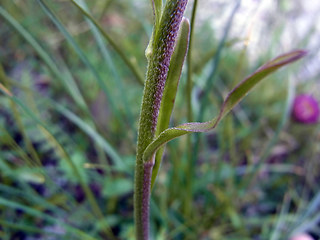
<point>78,160</point>
<point>66,79</point>
<point>235,96</point>
<point>93,134</point>
<point>131,65</point>
<point>81,55</point>
<point>31,176</point>
<point>116,187</point>
<point>109,63</point>
<point>28,228</point>
<point>36,213</point>
<point>4,89</point>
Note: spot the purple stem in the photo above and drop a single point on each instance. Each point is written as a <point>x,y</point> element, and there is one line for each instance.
<point>162,49</point>
<point>146,197</point>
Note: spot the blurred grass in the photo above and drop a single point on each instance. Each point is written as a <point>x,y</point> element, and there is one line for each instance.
<point>67,133</point>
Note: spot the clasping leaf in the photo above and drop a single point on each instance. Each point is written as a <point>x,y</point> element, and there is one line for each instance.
<point>234,97</point>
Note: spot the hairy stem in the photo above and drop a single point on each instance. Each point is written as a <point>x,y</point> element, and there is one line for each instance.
<point>159,59</point>
<point>147,167</point>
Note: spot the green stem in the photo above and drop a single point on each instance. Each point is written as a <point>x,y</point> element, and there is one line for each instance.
<point>161,49</point>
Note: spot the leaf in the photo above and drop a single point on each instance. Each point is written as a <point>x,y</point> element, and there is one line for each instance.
<point>60,151</point>
<point>157,8</point>
<point>82,56</point>
<point>29,229</point>
<point>32,211</point>
<point>66,79</point>
<point>116,187</point>
<point>171,86</point>
<point>235,96</point>
<point>118,49</point>
<point>5,90</point>
<point>174,73</point>
<point>109,63</point>
<point>30,175</point>
<point>92,133</point>
<point>78,160</point>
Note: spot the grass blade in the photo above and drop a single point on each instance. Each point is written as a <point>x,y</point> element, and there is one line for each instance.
<point>134,69</point>
<point>109,64</point>
<point>64,155</point>
<point>93,134</point>
<point>81,55</point>
<point>67,81</point>
<point>35,213</point>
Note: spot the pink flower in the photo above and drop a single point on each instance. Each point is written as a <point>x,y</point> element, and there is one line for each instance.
<point>305,109</point>
<point>302,236</point>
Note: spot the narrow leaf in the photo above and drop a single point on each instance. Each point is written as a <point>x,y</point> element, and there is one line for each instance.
<point>239,92</point>
<point>235,96</point>
<point>66,79</point>
<point>82,56</point>
<point>27,228</point>
<point>60,151</point>
<point>157,8</point>
<point>90,131</point>
<point>132,66</point>
<point>36,213</point>
<point>170,88</point>
<point>5,90</point>
<point>109,63</point>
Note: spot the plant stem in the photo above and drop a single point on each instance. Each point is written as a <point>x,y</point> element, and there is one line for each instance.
<point>158,65</point>
<point>146,195</point>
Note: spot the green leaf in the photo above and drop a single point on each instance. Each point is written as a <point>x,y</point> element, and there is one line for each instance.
<point>116,187</point>
<point>38,214</point>
<point>157,12</point>
<point>90,131</point>
<point>60,151</point>
<point>109,63</point>
<point>30,175</point>
<point>82,56</point>
<point>29,229</point>
<point>78,160</point>
<point>174,73</point>
<point>130,64</point>
<point>171,86</point>
<point>157,8</point>
<point>65,78</point>
<point>235,96</point>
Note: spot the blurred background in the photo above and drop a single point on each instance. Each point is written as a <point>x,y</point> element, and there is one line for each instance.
<point>71,82</point>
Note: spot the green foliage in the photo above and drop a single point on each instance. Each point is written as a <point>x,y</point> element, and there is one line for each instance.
<point>235,96</point>
<point>71,76</point>
<point>116,187</point>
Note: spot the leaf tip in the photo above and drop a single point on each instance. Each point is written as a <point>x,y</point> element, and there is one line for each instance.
<point>300,53</point>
